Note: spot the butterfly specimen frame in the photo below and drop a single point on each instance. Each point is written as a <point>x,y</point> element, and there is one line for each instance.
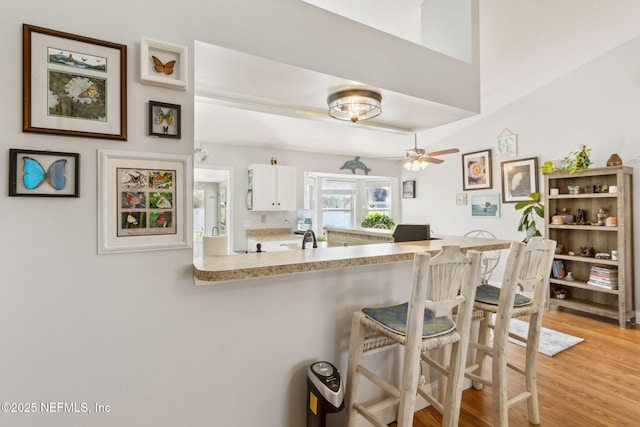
<point>163,64</point>
<point>164,120</point>
<point>44,173</point>
<point>142,201</point>
<point>73,85</point>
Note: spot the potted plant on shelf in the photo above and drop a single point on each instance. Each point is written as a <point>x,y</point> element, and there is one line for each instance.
<point>577,161</point>
<point>377,220</point>
<point>532,210</point>
<point>321,240</point>
<point>573,162</point>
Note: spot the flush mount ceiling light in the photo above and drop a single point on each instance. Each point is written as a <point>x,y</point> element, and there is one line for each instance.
<point>354,104</point>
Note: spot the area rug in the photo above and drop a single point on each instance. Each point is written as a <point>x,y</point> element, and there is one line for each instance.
<point>551,342</point>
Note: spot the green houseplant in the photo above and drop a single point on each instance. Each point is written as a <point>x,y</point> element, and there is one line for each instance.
<point>577,161</point>
<point>375,218</point>
<point>548,167</point>
<point>321,240</point>
<point>573,162</point>
<point>532,210</point>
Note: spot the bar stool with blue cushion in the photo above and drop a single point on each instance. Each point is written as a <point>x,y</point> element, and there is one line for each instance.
<point>439,284</point>
<point>499,306</point>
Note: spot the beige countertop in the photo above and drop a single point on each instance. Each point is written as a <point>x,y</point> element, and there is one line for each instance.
<point>252,265</point>
<point>277,237</point>
<point>377,232</point>
<point>271,234</point>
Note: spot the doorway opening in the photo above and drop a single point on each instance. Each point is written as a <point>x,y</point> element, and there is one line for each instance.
<point>212,194</point>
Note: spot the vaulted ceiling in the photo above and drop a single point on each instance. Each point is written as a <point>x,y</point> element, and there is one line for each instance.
<point>524,44</point>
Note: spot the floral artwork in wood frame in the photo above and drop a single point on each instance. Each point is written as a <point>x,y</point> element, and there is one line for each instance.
<point>476,170</point>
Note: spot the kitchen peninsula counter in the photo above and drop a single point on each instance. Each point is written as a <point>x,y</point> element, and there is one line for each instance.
<point>337,236</point>
<point>212,269</point>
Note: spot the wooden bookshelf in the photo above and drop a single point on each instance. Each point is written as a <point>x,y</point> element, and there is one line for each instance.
<point>571,237</point>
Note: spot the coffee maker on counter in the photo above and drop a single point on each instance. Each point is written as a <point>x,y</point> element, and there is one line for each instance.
<point>304,222</point>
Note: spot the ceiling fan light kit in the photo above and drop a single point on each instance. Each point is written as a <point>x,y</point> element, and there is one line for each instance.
<point>419,159</point>
<point>354,104</point>
<point>415,165</point>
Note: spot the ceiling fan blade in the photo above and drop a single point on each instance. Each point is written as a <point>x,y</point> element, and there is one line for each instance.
<point>431,159</point>
<point>441,152</point>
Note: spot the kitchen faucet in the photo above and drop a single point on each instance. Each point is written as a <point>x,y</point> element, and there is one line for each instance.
<point>215,231</point>
<point>306,235</point>
<point>290,225</point>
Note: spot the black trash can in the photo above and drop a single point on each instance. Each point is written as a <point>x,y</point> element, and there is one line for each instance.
<point>325,396</point>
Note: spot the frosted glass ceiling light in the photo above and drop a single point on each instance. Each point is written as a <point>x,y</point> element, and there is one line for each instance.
<point>415,165</point>
<point>354,104</point>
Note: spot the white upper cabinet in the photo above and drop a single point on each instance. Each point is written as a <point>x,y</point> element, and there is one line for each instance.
<point>272,188</point>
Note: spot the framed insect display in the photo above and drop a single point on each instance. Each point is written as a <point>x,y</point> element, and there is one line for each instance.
<point>163,64</point>
<point>164,120</point>
<point>73,85</point>
<point>44,173</point>
<point>142,201</point>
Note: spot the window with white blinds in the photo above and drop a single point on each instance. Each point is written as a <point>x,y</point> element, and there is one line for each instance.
<point>346,201</point>
<point>338,202</point>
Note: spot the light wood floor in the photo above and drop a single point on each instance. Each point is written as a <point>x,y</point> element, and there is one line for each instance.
<point>595,383</point>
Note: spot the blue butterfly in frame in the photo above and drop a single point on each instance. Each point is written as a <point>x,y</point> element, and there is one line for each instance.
<point>35,175</point>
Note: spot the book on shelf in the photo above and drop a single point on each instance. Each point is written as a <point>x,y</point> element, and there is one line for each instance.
<point>558,270</point>
<point>602,276</point>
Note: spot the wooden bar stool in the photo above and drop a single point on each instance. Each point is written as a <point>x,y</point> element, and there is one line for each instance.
<point>490,259</point>
<point>439,284</point>
<point>532,268</point>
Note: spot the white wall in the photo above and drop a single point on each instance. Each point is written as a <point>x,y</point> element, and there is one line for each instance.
<point>131,330</point>
<point>595,105</point>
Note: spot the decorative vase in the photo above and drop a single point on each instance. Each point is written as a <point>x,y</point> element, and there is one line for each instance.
<point>614,160</point>
<point>556,219</point>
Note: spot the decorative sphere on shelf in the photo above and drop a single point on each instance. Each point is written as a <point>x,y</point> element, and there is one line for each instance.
<point>614,160</point>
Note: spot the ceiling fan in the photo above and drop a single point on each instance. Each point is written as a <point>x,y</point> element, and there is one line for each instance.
<point>418,157</point>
